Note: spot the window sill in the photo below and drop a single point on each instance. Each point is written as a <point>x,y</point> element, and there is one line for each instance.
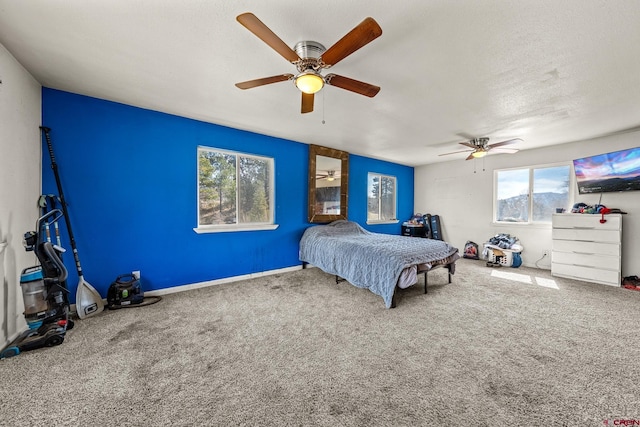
<point>392,221</point>
<point>522,224</point>
<point>229,229</point>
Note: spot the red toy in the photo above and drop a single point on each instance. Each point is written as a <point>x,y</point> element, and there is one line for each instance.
<point>604,211</point>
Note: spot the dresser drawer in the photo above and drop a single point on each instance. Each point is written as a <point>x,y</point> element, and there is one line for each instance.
<point>587,248</point>
<point>587,221</point>
<point>606,277</point>
<point>584,235</point>
<point>582,260</point>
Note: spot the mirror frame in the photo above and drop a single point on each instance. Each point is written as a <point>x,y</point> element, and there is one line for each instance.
<point>343,156</point>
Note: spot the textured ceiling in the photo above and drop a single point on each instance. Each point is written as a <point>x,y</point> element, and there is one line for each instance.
<point>548,72</point>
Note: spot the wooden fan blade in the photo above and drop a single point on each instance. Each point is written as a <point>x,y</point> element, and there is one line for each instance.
<point>470,157</point>
<point>307,103</point>
<point>257,27</point>
<point>498,144</point>
<point>356,86</point>
<point>365,32</point>
<point>468,144</point>
<point>454,152</point>
<point>264,81</point>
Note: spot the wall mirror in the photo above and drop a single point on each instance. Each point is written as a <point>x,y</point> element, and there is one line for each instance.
<point>328,184</point>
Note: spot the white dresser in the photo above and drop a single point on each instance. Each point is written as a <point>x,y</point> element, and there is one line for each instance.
<point>585,249</point>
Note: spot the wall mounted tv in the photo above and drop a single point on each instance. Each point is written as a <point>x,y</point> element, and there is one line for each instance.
<point>616,171</point>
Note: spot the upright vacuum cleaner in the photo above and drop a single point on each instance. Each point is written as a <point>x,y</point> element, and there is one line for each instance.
<point>44,291</point>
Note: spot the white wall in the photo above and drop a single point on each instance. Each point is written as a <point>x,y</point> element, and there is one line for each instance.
<point>20,166</point>
<point>464,199</point>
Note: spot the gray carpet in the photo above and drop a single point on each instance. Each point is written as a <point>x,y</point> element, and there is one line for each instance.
<point>299,349</point>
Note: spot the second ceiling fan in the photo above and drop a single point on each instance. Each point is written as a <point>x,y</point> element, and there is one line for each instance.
<point>311,57</point>
<point>480,147</point>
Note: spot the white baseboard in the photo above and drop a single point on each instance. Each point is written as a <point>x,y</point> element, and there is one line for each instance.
<point>188,287</point>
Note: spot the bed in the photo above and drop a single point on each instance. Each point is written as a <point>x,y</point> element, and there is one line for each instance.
<point>378,262</point>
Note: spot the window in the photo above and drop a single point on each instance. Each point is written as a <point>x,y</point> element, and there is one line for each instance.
<point>381,198</point>
<point>531,194</point>
<point>235,190</point>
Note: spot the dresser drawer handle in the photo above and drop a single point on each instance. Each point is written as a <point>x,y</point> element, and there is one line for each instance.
<point>584,228</point>
<point>585,266</point>
<point>583,253</point>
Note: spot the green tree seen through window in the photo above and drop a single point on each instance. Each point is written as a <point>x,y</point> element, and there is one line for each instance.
<point>233,188</point>
<point>381,198</point>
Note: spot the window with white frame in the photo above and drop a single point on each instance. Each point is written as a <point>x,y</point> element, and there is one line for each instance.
<point>381,198</point>
<point>532,194</point>
<point>235,190</point>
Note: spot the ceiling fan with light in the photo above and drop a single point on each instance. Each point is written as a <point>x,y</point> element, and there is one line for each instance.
<point>310,57</point>
<point>480,147</point>
<point>329,175</point>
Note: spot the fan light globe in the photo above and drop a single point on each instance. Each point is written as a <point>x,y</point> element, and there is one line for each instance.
<point>309,82</point>
<point>478,154</point>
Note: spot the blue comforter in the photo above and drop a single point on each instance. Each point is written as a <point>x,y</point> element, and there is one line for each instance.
<point>368,260</point>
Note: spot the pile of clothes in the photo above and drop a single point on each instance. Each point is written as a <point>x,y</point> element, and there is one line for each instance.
<point>584,208</point>
<point>595,209</point>
<point>503,241</point>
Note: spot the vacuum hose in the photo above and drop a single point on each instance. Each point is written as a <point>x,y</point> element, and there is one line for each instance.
<point>52,255</point>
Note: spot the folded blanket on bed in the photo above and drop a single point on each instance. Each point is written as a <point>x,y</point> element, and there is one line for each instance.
<point>368,260</point>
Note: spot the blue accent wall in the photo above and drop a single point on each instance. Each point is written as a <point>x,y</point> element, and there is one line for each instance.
<point>129,177</point>
<point>359,168</point>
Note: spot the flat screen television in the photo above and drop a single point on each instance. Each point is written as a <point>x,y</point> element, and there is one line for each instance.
<point>616,171</point>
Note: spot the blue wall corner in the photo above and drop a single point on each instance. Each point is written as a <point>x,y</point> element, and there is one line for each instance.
<point>129,178</point>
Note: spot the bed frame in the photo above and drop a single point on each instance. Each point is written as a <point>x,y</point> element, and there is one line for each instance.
<point>451,267</point>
